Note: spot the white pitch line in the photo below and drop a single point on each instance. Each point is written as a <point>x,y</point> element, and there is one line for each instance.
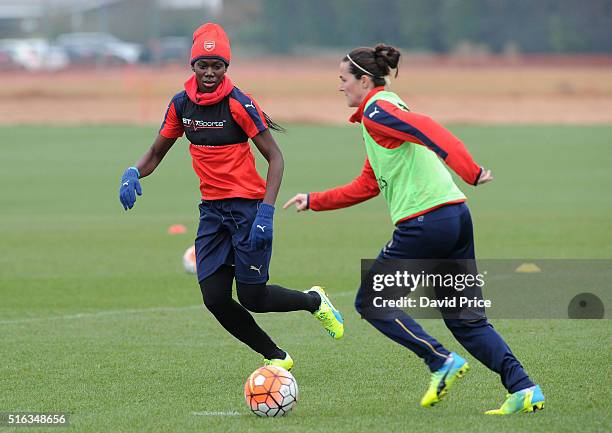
<point>217,413</point>
<point>101,314</point>
<point>129,311</point>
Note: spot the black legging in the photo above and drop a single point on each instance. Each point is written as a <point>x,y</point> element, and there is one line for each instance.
<point>258,298</point>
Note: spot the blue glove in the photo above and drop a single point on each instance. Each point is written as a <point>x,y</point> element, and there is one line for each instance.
<point>129,184</point>
<point>261,230</point>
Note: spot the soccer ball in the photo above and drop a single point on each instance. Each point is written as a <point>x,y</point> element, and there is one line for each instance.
<point>189,260</point>
<point>271,391</point>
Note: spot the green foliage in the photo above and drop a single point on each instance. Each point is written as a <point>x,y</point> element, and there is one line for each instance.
<point>287,26</point>
<point>437,25</point>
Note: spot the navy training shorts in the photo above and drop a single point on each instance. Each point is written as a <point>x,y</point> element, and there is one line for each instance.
<point>223,238</point>
<point>443,233</point>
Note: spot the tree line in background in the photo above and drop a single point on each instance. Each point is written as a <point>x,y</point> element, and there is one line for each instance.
<point>296,26</point>
<point>559,26</point>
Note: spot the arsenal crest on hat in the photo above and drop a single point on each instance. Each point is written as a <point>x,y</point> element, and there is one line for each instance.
<point>210,41</point>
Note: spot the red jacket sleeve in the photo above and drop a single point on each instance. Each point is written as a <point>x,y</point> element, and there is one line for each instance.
<point>172,126</point>
<point>362,188</point>
<point>247,113</point>
<point>390,126</point>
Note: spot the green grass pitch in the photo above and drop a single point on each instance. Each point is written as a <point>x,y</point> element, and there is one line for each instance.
<point>98,319</point>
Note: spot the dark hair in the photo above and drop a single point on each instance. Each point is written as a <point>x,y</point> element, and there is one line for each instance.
<point>272,124</point>
<point>377,61</point>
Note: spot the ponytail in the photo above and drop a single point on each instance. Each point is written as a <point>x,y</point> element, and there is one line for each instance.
<point>376,62</point>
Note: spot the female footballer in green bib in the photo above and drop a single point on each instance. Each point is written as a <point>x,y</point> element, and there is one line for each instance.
<point>406,157</point>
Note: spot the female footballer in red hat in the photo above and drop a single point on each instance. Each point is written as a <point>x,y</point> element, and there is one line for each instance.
<point>234,238</point>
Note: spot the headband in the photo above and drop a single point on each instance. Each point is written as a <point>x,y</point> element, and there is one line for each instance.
<point>354,63</point>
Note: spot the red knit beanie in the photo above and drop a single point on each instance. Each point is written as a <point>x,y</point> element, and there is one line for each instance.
<point>210,42</point>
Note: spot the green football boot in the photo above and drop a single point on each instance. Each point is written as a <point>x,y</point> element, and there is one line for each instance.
<point>526,400</point>
<point>442,379</point>
<point>286,363</point>
<point>327,314</point>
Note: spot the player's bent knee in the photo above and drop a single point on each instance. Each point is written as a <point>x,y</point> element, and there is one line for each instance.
<point>251,296</point>
<point>214,304</point>
<point>214,299</point>
<point>217,289</point>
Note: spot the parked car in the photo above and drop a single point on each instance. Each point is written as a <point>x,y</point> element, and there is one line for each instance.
<point>9,57</point>
<point>95,47</point>
<point>31,55</point>
<point>171,49</point>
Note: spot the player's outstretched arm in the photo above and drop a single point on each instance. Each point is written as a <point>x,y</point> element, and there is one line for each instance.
<point>300,200</point>
<point>362,188</point>
<point>152,157</point>
<point>276,164</point>
<point>387,121</point>
<point>262,228</point>
<point>130,184</point>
